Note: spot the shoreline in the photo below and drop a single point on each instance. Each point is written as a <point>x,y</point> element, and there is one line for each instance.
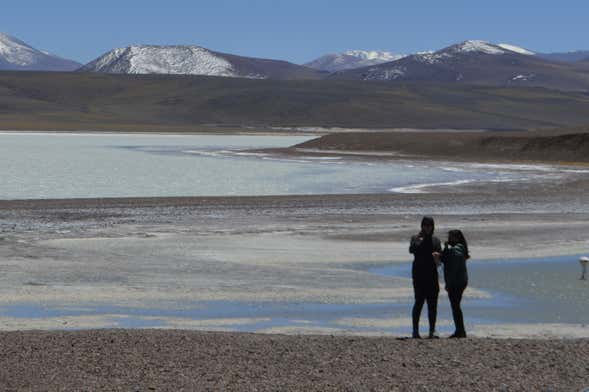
<point>367,151</point>
<point>158,132</point>
<point>272,130</point>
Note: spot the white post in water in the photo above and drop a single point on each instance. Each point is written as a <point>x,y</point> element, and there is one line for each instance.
<point>583,261</point>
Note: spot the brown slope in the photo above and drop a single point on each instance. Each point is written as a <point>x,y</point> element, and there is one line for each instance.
<point>271,69</point>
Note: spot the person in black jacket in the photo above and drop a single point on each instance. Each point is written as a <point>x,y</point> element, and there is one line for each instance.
<point>454,259</point>
<point>425,275</point>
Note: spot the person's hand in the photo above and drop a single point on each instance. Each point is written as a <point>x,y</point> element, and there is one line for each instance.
<point>437,258</point>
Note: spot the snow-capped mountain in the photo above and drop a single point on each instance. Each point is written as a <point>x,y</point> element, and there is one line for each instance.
<point>352,59</point>
<point>193,60</point>
<point>361,58</point>
<point>17,55</point>
<point>476,62</point>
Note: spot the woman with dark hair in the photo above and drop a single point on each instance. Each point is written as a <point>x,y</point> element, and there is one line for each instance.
<point>424,271</point>
<point>454,258</point>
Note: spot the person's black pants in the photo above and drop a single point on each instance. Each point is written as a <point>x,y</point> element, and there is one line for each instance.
<point>423,294</point>
<point>455,296</point>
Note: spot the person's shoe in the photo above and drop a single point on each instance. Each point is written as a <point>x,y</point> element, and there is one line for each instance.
<point>432,335</point>
<point>416,335</point>
<point>457,335</point>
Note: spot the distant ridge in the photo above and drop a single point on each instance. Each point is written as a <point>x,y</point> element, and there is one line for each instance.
<point>566,57</point>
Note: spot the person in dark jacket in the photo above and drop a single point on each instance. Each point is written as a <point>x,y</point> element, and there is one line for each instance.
<point>454,258</point>
<point>425,275</point>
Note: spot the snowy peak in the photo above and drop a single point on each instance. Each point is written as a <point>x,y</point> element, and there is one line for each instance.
<point>469,48</point>
<point>193,60</point>
<point>11,47</point>
<point>373,55</point>
<point>476,46</point>
<point>484,47</point>
<point>15,51</point>
<point>152,59</point>
<point>352,59</point>
<point>18,55</point>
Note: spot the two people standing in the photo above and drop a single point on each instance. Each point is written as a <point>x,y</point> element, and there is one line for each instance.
<point>428,255</point>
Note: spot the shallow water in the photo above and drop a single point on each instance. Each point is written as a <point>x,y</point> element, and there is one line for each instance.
<point>47,165</point>
<point>546,290</point>
<point>524,292</point>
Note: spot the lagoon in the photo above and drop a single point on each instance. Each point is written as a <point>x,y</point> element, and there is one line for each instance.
<point>76,165</point>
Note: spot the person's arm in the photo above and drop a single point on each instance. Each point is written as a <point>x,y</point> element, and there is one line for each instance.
<point>416,241</point>
<point>437,258</point>
<point>459,250</point>
<point>452,251</point>
<point>446,253</point>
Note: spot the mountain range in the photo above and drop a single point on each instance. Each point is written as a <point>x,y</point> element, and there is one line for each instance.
<point>477,62</point>
<point>360,58</point>
<point>470,62</point>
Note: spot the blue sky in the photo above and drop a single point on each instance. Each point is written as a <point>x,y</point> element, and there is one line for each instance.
<point>297,31</point>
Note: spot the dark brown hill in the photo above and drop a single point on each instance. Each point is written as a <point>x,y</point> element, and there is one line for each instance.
<point>66,101</point>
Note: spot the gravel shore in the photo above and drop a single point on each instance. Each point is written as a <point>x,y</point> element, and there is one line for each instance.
<point>174,360</point>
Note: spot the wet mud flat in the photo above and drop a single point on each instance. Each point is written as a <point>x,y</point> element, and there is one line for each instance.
<point>172,360</point>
